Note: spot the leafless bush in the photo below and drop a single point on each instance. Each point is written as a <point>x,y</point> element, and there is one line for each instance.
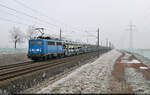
<point>16,36</point>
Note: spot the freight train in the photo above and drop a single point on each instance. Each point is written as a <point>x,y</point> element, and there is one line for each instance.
<point>46,48</point>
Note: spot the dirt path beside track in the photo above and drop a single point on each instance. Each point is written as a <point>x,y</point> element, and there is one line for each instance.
<point>130,75</point>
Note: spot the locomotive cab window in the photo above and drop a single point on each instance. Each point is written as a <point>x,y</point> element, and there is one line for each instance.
<point>31,42</point>
<point>50,43</point>
<point>59,43</point>
<point>39,42</point>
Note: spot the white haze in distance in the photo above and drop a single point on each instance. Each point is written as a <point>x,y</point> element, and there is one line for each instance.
<point>111,16</point>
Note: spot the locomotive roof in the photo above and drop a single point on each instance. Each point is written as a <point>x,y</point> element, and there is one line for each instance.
<point>64,41</point>
<point>48,40</point>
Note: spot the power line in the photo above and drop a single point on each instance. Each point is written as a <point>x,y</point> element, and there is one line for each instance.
<point>23,13</point>
<point>26,6</point>
<point>26,14</point>
<point>11,14</point>
<point>16,22</point>
<point>20,23</point>
<point>19,17</point>
<point>33,10</point>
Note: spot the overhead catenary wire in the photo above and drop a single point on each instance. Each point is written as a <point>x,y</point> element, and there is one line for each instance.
<point>26,6</point>
<point>31,10</point>
<point>20,23</point>
<point>12,21</point>
<point>18,17</point>
<point>24,24</point>
<point>23,13</point>
<point>10,14</point>
<point>36,11</point>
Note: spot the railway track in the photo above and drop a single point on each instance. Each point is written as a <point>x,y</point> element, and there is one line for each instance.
<point>14,70</point>
<point>15,65</point>
<point>26,66</point>
<point>20,64</point>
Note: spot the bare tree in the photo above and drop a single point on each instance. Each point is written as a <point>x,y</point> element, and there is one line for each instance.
<point>31,32</point>
<point>16,36</point>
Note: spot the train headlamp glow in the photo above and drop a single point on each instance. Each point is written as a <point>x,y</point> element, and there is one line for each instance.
<point>36,50</point>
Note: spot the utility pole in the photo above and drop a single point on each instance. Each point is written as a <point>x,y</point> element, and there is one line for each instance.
<point>106,42</point>
<point>87,40</point>
<point>60,34</point>
<point>109,44</point>
<point>131,26</point>
<point>98,41</point>
<point>98,38</point>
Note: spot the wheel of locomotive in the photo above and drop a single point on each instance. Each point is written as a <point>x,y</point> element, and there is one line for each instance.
<point>52,56</point>
<point>45,57</point>
<point>58,55</point>
<point>35,59</point>
<point>49,56</point>
<point>63,55</point>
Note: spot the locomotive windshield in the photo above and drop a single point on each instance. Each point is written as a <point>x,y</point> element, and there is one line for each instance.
<point>39,42</point>
<point>36,42</point>
<point>31,42</point>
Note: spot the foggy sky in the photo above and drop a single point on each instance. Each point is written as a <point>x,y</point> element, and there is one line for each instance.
<point>77,16</point>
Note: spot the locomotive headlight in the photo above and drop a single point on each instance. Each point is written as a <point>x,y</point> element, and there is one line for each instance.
<point>37,49</point>
<point>40,50</point>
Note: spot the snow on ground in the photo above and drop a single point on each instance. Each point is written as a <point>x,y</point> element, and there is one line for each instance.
<point>143,60</point>
<point>143,67</point>
<point>134,61</point>
<point>11,55</point>
<point>6,59</point>
<point>90,78</point>
<point>137,81</point>
<point>126,56</point>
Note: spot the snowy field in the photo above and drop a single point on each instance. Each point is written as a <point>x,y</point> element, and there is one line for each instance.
<point>11,56</point>
<point>90,78</point>
<point>142,52</point>
<point>137,81</point>
<point>143,55</point>
<point>12,50</point>
<point>134,77</point>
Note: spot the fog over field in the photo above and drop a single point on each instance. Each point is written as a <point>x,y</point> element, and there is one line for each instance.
<point>77,16</point>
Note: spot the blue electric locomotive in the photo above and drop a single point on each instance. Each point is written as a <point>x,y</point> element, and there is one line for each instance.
<point>45,48</point>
